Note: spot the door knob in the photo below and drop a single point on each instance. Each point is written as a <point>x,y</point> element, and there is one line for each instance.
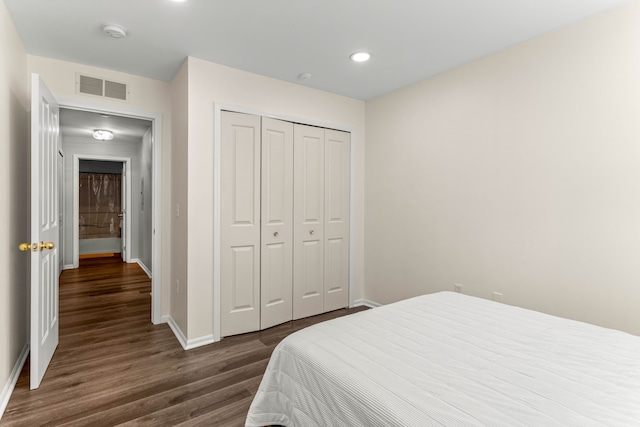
<point>120,215</point>
<point>311,232</point>
<point>275,234</point>
<point>48,245</point>
<point>24,247</point>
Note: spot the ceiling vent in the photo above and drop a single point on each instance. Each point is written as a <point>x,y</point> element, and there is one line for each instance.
<point>95,86</point>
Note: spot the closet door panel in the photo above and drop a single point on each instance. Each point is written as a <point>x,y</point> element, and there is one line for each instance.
<point>277,223</point>
<point>240,223</point>
<point>308,212</point>
<point>242,278</point>
<point>336,214</point>
<point>311,265</point>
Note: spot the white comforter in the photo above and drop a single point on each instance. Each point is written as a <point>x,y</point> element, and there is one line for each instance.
<point>448,359</point>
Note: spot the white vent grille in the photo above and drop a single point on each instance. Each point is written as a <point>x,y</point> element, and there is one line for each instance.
<point>115,90</point>
<point>100,87</point>
<point>90,85</point>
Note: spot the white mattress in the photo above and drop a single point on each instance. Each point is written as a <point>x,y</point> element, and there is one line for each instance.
<point>448,359</point>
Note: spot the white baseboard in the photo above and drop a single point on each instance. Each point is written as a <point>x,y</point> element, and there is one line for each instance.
<point>13,379</point>
<point>184,342</point>
<point>200,341</point>
<point>176,330</point>
<point>68,267</point>
<point>367,303</point>
<point>142,266</point>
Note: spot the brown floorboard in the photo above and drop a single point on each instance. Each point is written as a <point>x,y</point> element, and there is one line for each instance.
<point>113,367</point>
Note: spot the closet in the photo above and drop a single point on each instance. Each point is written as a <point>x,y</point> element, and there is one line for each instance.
<point>284,221</point>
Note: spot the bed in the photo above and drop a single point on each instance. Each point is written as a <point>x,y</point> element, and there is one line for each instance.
<point>448,359</point>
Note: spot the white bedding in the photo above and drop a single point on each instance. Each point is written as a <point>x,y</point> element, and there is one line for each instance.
<point>448,359</point>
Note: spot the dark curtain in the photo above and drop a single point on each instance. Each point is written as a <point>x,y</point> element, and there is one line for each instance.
<point>100,203</point>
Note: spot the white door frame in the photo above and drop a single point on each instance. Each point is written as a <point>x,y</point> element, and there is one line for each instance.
<point>76,202</point>
<point>156,200</point>
<point>61,214</point>
<point>217,146</point>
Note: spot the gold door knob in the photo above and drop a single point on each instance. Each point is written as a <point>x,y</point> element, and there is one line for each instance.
<point>120,215</point>
<point>48,245</point>
<point>311,232</point>
<point>24,247</point>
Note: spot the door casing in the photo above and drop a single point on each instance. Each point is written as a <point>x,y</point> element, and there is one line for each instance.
<point>61,214</point>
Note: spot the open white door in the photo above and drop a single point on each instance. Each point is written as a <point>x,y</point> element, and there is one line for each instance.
<point>123,213</point>
<point>45,140</point>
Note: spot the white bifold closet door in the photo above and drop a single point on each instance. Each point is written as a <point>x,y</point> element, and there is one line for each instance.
<point>277,223</point>
<point>308,217</point>
<point>322,159</point>
<point>240,223</point>
<point>337,176</point>
<point>284,221</point>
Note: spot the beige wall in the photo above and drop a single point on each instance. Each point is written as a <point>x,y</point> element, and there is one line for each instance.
<point>179,136</point>
<point>14,196</point>
<point>210,82</point>
<point>147,95</point>
<point>518,173</point>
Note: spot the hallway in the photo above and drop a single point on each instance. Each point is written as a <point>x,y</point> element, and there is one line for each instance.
<point>105,332</point>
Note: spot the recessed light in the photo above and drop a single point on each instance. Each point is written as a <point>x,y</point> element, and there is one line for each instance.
<point>178,1</point>
<point>360,57</point>
<point>103,135</point>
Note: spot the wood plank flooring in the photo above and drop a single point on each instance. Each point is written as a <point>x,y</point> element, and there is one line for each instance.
<point>113,367</point>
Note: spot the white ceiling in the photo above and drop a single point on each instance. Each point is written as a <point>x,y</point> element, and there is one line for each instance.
<point>409,40</point>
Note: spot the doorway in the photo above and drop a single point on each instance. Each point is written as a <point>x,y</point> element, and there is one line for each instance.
<point>101,208</point>
<point>129,142</point>
<point>133,147</point>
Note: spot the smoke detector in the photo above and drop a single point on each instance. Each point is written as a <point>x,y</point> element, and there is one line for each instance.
<point>115,31</point>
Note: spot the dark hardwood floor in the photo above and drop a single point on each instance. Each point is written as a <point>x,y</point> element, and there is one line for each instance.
<point>113,367</point>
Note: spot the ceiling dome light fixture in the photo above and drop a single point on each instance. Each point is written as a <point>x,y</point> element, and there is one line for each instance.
<point>115,31</point>
<point>360,56</point>
<point>103,135</point>
<point>304,76</point>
